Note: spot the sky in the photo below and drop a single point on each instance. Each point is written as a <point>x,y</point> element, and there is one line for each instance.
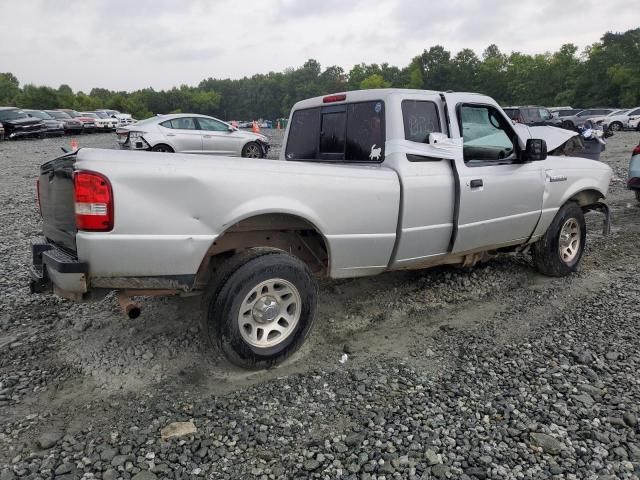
<point>133,44</point>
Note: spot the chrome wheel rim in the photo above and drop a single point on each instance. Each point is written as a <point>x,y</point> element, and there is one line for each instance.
<point>269,313</point>
<point>252,151</point>
<point>569,244</point>
<point>615,127</point>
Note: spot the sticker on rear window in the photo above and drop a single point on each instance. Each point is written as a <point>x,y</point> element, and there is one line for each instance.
<point>378,107</point>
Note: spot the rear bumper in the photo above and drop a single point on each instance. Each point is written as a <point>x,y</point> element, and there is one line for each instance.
<point>55,270</point>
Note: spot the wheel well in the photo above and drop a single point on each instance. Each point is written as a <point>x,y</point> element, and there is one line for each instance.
<point>164,145</point>
<point>586,197</point>
<point>288,233</point>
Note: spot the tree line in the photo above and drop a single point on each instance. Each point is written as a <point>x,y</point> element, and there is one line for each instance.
<point>606,73</point>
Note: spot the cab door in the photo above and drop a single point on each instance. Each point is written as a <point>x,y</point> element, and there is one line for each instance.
<point>500,197</point>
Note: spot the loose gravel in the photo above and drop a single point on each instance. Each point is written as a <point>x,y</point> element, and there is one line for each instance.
<point>494,372</point>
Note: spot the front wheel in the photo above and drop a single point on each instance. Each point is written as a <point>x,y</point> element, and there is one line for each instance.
<point>559,251</point>
<point>260,307</point>
<point>252,150</point>
<point>615,126</point>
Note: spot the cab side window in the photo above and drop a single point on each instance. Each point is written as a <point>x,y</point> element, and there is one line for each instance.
<point>487,136</point>
<point>420,118</point>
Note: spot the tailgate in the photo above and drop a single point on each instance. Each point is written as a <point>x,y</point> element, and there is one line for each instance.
<point>55,189</point>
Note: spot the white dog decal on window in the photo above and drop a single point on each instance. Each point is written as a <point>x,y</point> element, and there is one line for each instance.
<point>375,152</point>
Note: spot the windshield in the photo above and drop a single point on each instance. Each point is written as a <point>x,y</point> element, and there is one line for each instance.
<point>59,115</point>
<point>545,114</point>
<point>149,120</point>
<point>617,112</point>
<point>40,114</point>
<point>102,115</point>
<point>12,114</point>
<point>89,114</point>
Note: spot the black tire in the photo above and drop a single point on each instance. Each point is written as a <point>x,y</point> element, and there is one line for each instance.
<point>638,195</point>
<point>568,125</point>
<point>252,150</point>
<point>161,147</point>
<point>546,251</point>
<point>230,286</point>
<point>615,127</point>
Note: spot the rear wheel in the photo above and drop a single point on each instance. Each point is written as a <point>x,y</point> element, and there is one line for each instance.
<point>162,148</point>
<point>559,251</point>
<point>260,307</point>
<point>252,150</point>
<point>615,126</point>
<point>568,125</point>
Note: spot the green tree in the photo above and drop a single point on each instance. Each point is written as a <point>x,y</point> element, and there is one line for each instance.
<point>374,81</point>
<point>9,88</point>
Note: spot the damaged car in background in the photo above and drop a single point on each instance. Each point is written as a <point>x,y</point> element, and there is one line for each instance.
<point>346,199</point>
<point>191,133</point>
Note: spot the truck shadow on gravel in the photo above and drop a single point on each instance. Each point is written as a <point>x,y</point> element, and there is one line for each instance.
<point>395,315</point>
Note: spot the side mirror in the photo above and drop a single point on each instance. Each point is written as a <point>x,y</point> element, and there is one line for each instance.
<point>436,137</point>
<point>535,150</point>
<point>231,129</point>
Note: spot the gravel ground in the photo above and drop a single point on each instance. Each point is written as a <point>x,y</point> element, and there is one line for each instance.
<point>493,372</point>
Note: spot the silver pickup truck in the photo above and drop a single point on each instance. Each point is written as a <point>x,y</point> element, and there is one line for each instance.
<point>367,182</point>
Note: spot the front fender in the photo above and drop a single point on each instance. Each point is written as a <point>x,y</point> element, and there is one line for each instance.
<point>568,178</point>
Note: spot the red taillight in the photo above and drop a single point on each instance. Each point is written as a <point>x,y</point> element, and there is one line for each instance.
<point>335,98</point>
<point>636,151</point>
<point>93,202</point>
<point>38,196</point>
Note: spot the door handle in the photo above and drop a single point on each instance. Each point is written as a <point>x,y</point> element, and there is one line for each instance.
<point>171,134</point>
<point>477,183</point>
<point>206,136</point>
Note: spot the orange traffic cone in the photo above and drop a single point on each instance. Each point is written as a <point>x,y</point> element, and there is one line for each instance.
<point>74,144</point>
<point>255,128</point>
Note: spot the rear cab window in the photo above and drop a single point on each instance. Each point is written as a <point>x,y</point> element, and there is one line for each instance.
<point>350,132</point>
<point>420,118</point>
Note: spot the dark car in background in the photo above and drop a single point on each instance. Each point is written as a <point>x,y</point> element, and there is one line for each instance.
<point>88,123</point>
<point>532,115</point>
<point>71,125</point>
<point>17,124</point>
<point>54,126</point>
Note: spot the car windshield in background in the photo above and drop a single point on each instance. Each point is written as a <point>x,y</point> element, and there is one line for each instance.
<point>420,119</point>
<point>12,114</point>
<point>148,120</point>
<point>617,112</point>
<point>90,115</point>
<point>39,114</point>
<point>102,115</point>
<point>544,114</point>
<point>60,115</point>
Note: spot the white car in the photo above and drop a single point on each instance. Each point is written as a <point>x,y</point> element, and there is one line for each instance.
<point>622,120</point>
<point>122,118</point>
<point>192,133</point>
<point>102,124</point>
